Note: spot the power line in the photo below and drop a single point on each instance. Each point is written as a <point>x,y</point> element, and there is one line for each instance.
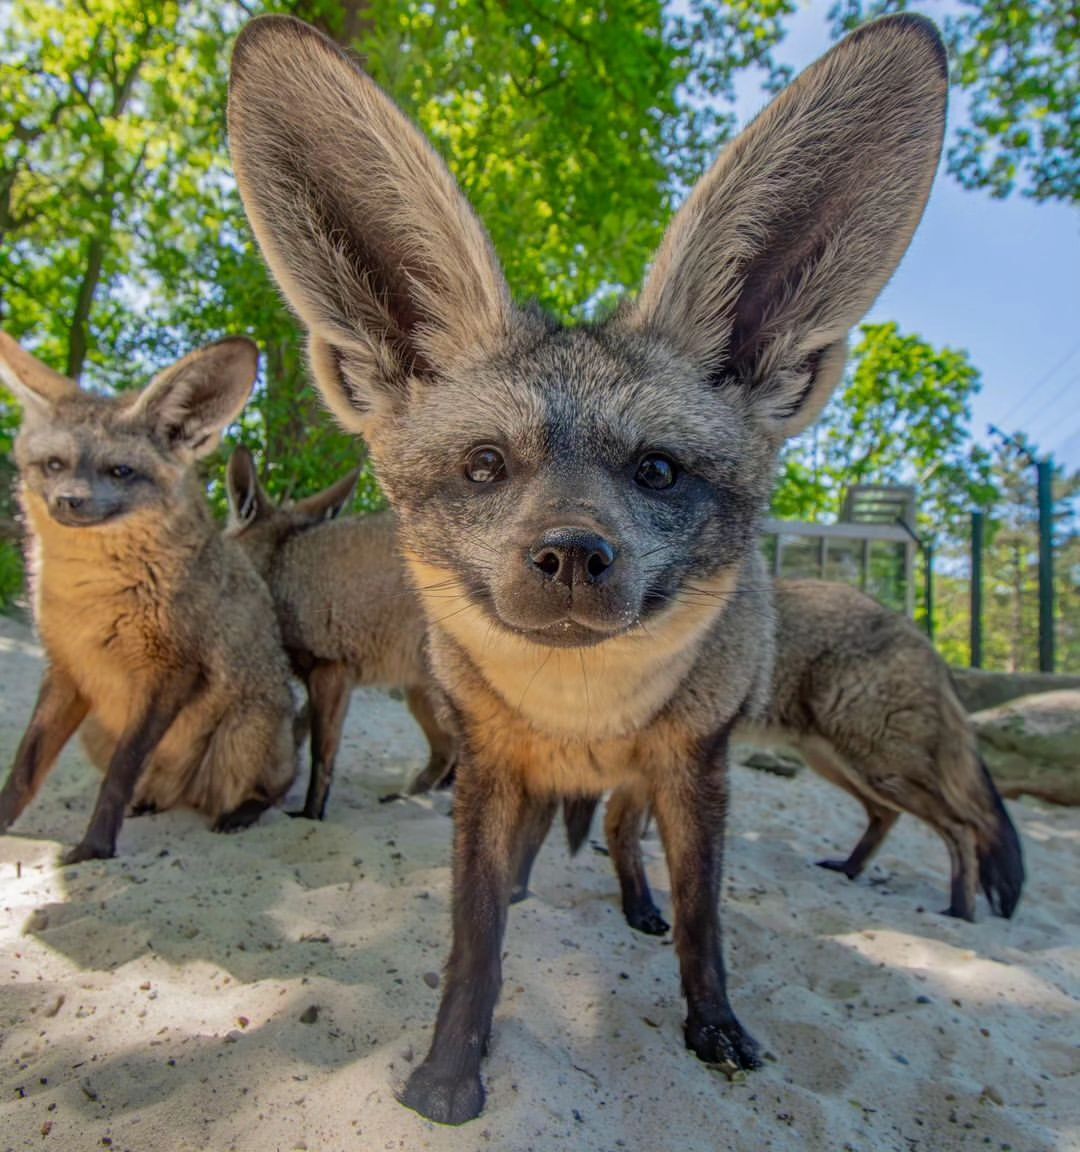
<point>1026,397</point>
<point>1048,406</point>
<point>1067,439</point>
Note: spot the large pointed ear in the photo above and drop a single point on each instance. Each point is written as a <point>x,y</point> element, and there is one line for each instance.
<point>785,243</point>
<point>36,386</point>
<point>362,224</point>
<point>330,502</point>
<point>188,405</point>
<point>248,501</point>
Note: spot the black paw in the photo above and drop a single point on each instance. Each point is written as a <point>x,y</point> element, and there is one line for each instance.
<point>959,913</point>
<point>242,816</point>
<point>442,1097</point>
<point>87,850</point>
<point>518,893</point>
<point>647,920</point>
<point>305,814</point>
<point>729,1043</point>
<point>839,866</point>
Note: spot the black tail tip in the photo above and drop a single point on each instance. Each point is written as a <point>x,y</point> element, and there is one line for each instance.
<point>578,812</point>
<point>1001,859</point>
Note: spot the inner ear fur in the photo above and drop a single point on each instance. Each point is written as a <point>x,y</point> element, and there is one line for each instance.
<point>785,243</point>
<point>248,500</point>
<point>361,223</point>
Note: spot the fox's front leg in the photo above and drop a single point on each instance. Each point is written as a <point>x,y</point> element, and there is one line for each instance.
<point>57,714</point>
<point>691,808</point>
<point>133,750</point>
<point>490,811</point>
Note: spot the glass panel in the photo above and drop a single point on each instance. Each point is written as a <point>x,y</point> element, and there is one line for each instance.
<point>885,580</point>
<point>844,561</point>
<point>800,558</point>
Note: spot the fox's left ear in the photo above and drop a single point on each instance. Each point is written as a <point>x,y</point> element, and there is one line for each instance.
<point>330,502</point>
<point>189,405</point>
<point>786,242</point>
<point>35,385</point>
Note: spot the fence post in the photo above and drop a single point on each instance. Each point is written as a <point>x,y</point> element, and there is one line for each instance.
<point>928,576</point>
<point>1045,471</point>
<point>976,589</point>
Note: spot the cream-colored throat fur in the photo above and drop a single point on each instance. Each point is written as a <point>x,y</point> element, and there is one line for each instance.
<point>609,690</point>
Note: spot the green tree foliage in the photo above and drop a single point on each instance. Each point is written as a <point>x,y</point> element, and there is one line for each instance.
<point>1018,63</point>
<point>901,417</point>
<point>122,239</point>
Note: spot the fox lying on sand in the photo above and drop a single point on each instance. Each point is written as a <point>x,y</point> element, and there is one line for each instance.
<point>347,612</point>
<point>159,635</point>
<point>867,701</point>
<point>580,508</point>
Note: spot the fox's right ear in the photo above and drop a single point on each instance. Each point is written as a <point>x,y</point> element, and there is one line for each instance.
<point>362,224</point>
<point>248,501</point>
<point>330,502</point>
<point>784,244</point>
<point>36,386</point>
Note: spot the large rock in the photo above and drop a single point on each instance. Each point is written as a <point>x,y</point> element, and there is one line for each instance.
<point>979,689</point>
<point>1032,745</point>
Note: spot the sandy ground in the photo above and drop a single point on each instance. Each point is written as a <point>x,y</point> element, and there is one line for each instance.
<point>270,990</point>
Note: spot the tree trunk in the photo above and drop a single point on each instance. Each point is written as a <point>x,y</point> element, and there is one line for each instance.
<point>79,330</point>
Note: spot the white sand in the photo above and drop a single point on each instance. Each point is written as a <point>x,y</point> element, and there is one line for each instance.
<point>157,1001</point>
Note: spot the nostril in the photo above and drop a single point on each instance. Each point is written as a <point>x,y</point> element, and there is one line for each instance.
<point>548,562</point>
<point>72,501</point>
<point>600,560</point>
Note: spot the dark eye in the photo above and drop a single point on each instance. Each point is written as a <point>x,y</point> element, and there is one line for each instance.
<point>656,472</point>
<point>54,464</point>
<point>484,465</point>
<point>122,471</point>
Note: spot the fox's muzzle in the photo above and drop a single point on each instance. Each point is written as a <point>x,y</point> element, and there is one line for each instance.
<point>573,556</point>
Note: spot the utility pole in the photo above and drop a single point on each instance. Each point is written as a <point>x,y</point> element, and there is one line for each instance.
<point>1044,472</point>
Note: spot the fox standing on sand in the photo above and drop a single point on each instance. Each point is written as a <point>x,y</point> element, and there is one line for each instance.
<point>867,701</point>
<point>160,638</point>
<point>347,611</point>
<point>580,509</point>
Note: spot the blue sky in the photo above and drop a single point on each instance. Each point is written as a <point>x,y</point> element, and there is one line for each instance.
<point>999,278</point>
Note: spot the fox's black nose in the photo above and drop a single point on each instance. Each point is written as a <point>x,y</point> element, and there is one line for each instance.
<point>572,556</point>
<point>71,503</point>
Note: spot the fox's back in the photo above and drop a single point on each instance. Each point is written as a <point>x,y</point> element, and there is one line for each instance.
<point>844,661</point>
<point>343,594</point>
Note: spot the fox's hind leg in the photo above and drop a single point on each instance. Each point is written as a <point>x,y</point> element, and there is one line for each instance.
<point>826,762</point>
<point>57,714</point>
<point>441,760</point>
<point>880,822</point>
<point>329,686</point>
<point>533,832</point>
<point>623,824</point>
<point>963,860</point>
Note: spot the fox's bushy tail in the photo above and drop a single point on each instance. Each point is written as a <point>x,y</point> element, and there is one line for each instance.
<point>1001,859</point>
